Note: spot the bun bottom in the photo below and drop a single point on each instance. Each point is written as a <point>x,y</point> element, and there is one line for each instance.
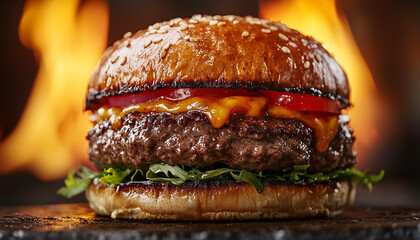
<point>219,201</point>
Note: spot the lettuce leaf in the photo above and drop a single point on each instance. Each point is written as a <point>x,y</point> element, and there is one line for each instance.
<point>75,186</point>
<point>114,176</point>
<point>177,175</point>
<point>110,176</point>
<point>252,179</point>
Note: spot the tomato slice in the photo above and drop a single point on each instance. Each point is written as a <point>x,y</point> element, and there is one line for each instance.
<point>176,94</point>
<point>302,102</point>
<point>295,101</point>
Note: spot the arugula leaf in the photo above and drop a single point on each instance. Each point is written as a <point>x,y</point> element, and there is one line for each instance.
<point>85,172</point>
<point>251,179</point>
<point>75,186</point>
<point>177,175</point>
<point>110,176</point>
<point>214,173</point>
<point>135,173</point>
<point>166,169</point>
<point>236,177</point>
<point>150,175</point>
<point>114,176</point>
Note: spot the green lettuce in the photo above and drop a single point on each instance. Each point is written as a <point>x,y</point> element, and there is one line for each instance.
<point>177,175</point>
<point>75,186</point>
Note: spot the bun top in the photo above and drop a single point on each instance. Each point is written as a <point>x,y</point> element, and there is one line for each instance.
<point>221,52</point>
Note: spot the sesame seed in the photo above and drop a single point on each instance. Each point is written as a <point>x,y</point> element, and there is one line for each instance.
<point>318,58</point>
<point>213,22</point>
<point>282,26</point>
<point>245,34</point>
<point>147,34</point>
<point>156,26</point>
<point>187,38</point>
<point>167,46</point>
<point>177,20</point>
<point>193,39</point>
<point>162,54</point>
<point>306,64</point>
<point>192,21</point>
<point>249,17</point>
<point>156,40</point>
<point>152,31</point>
<point>128,43</point>
<point>265,24</point>
<point>191,26</point>
<point>274,28</point>
<point>217,16</point>
<point>264,21</point>
<point>162,31</point>
<point>114,58</point>
<point>230,17</point>
<point>265,30</point>
<point>197,16</point>
<point>283,37</point>
<point>235,21</point>
<point>108,81</point>
<point>292,44</point>
<point>252,21</point>
<point>147,43</point>
<point>183,27</point>
<point>123,60</point>
<point>285,49</point>
<point>128,34</point>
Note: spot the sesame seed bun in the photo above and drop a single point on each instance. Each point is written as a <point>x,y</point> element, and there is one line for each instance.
<point>219,201</point>
<point>222,52</point>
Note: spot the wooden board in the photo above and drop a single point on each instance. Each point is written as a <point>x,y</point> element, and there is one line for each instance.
<point>77,221</point>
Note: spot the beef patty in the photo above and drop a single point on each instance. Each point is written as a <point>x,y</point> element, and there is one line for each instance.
<point>253,144</point>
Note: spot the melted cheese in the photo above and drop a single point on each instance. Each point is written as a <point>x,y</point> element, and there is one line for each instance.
<point>219,110</point>
<point>325,127</point>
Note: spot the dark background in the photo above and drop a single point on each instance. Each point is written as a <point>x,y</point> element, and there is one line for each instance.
<point>387,32</point>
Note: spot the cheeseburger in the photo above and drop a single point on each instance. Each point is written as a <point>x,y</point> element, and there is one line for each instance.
<point>218,118</point>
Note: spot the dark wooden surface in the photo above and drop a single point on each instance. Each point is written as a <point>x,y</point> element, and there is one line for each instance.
<point>77,221</point>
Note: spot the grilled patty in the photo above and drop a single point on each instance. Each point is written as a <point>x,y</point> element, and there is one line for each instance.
<point>254,144</point>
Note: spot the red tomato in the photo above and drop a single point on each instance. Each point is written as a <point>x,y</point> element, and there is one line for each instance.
<point>296,101</point>
<point>303,102</point>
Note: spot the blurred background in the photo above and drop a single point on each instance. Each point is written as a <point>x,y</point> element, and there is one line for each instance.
<point>49,48</point>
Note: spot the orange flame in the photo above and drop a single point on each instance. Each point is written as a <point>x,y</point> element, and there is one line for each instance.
<point>321,20</point>
<point>68,39</point>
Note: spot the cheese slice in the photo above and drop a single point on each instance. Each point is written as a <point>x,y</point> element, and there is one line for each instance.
<point>219,110</point>
<point>325,127</point>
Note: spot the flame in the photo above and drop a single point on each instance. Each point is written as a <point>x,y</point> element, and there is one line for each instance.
<point>68,39</point>
<point>322,20</point>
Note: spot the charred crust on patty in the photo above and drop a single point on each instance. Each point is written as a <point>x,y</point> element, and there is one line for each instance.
<point>253,144</point>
